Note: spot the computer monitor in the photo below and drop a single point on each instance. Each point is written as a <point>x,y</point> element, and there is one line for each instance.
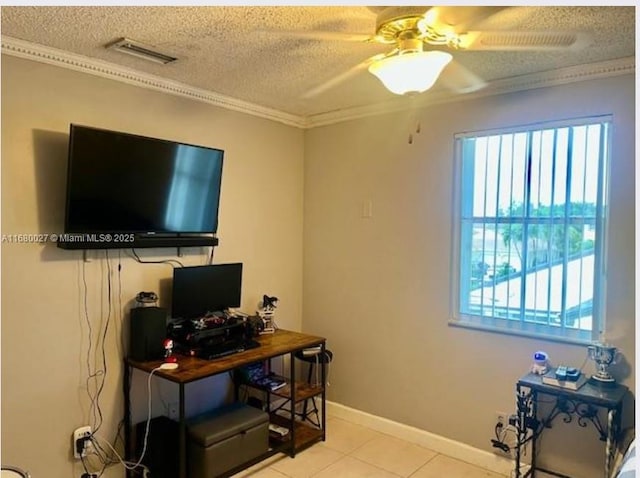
<point>201,289</point>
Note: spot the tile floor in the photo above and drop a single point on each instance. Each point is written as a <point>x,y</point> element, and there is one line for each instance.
<point>354,451</point>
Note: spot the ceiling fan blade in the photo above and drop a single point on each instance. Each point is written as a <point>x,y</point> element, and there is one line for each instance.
<point>344,76</point>
<point>460,18</point>
<point>460,79</point>
<point>519,41</point>
<point>319,35</point>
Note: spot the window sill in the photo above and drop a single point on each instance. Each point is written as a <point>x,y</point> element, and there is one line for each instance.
<point>520,333</point>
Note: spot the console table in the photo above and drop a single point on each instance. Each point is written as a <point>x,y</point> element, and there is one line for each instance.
<point>583,403</point>
<point>190,369</point>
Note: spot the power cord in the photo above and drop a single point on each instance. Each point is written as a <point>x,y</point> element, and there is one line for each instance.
<point>165,261</point>
<point>102,455</point>
<point>129,465</point>
<point>96,369</point>
<point>501,431</point>
<point>498,442</point>
<point>96,373</point>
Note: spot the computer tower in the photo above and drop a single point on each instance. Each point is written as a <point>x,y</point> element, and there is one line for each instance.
<point>147,333</point>
<point>162,451</point>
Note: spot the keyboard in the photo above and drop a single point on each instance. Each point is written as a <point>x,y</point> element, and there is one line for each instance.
<point>222,350</point>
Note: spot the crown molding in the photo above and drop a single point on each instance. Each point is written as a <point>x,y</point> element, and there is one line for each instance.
<point>561,76</point>
<point>72,61</point>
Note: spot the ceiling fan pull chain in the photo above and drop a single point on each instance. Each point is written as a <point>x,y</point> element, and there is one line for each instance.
<point>411,134</point>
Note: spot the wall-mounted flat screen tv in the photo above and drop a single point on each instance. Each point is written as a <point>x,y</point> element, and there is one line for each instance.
<point>124,183</point>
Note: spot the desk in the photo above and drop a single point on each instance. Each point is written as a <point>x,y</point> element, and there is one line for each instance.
<point>583,403</point>
<point>190,369</point>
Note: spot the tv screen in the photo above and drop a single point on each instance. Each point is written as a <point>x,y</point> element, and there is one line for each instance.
<point>201,289</point>
<point>120,182</point>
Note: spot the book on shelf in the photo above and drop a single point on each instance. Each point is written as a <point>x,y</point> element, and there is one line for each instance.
<point>550,379</point>
<point>272,382</point>
<point>281,431</point>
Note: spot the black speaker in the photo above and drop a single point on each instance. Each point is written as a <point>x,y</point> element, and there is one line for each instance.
<point>147,332</point>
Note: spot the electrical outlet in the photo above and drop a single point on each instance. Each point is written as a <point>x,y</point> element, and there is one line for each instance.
<point>80,443</point>
<point>173,411</point>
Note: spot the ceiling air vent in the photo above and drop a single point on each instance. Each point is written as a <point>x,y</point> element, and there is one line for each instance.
<point>135,48</point>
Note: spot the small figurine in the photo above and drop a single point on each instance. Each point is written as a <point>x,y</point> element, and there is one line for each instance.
<point>168,352</point>
<point>269,303</point>
<point>266,313</point>
<point>540,363</point>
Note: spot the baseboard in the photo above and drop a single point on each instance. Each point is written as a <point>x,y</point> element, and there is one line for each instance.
<point>440,444</point>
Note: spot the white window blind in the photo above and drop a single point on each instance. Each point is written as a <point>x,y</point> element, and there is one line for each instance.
<point>530,226</point>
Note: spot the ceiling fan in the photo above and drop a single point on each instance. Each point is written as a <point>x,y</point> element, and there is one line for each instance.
<point>423,40</point>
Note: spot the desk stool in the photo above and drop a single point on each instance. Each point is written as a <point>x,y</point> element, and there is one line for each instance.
<point>314,360</point>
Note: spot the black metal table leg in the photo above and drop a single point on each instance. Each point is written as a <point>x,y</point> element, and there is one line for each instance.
<point>535,430</point>
<point>324,391</point>
<point>183,434</point>
<point>522,427</point>
<point>292,375</point>
<point>527,410</point>
<point>613,428</point>
<point>126,389</point>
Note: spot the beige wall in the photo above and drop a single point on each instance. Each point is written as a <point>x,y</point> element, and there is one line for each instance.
<point>44,333</point>
<point>378,288</point>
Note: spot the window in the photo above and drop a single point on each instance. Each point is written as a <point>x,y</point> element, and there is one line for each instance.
<point>530,227</point>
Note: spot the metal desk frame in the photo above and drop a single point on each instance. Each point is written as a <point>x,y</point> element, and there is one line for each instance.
<point>282,342</point>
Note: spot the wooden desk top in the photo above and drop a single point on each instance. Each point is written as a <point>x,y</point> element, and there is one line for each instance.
<point>194,368</point>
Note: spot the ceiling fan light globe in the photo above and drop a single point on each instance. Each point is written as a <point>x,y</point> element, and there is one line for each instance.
<point>414,72</point>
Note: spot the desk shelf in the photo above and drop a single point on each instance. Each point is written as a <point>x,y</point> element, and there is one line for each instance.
<point>305,435</point>
<point>302,390</point>
<point>285,415</point>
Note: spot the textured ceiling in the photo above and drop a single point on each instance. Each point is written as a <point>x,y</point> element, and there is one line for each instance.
<point>238,52</point>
